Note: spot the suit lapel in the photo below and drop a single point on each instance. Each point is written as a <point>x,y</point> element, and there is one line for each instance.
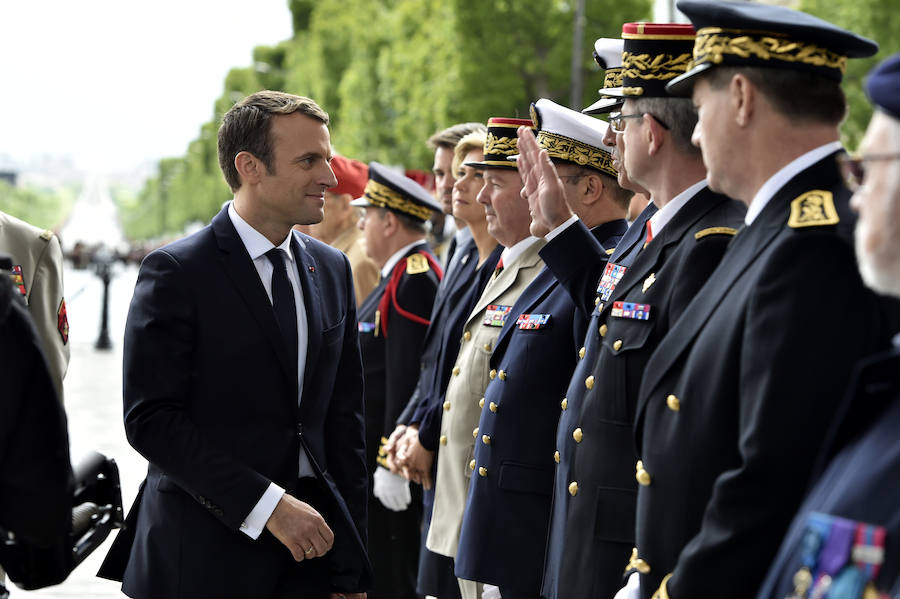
<point>634,234</point>
<point>243,275</point>
<point>506,279</point>
<point>309,281</point>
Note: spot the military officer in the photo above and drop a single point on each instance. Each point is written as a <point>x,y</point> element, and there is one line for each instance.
<point>38,275</point>
<point>504,527</point>
<point>855,501</point>
<point>737,397</point>
<point>508,222</point>
<point>392,324</point>
<point>637,300</point>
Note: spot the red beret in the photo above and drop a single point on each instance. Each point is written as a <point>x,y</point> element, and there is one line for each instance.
<point>351,176</point>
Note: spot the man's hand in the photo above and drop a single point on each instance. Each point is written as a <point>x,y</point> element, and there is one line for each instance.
<point>541,186</point>
<point>417,462</point>
<point>391,448</point>
<point>490,592</point>
<point>300,528</point>
<point>348,596</point>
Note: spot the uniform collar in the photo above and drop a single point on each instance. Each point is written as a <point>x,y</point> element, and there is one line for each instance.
<point>395,258</point>
<point>662,216</point>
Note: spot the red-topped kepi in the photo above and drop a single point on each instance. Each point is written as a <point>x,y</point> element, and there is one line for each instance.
<point>351,176</point>
<point>501,142</point>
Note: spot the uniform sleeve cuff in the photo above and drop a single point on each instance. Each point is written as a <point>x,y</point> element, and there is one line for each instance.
<point>572,219</point>
<point>253,524</point>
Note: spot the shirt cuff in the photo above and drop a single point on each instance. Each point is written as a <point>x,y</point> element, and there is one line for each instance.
<point>572,219</point>
<point>253,524</point>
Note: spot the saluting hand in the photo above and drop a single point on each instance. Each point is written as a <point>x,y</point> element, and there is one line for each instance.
<point>300,528</point>
<point>542,186</point>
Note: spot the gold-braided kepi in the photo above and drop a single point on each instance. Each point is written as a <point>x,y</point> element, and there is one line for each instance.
<point>501,142</point>
<point>608,54</point>
<point>387,188</point>
<point>746,34</point>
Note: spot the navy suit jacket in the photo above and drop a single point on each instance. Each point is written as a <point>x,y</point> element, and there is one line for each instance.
<point>210,399</point>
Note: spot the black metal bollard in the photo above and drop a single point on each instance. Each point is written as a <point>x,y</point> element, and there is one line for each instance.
<point>103,266</point>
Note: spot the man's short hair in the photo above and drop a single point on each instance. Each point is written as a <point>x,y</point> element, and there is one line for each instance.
<point>806,98</point>
<point>406,221</point>
<point>246,127</point>
<point>678,114</point>
<point>449,137</point>
<point>471,141</point>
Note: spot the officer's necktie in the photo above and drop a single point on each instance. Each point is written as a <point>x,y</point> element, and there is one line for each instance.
<point>283,301</point>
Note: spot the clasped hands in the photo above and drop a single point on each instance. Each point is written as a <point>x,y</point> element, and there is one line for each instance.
<point>407,457</point>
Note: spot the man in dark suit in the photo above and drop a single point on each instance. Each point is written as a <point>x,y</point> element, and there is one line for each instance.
<point>642,293</point>
<point>392,324</point>
<point>855,501</point>
<point>243,385</point>
<point>735,398</point>
<point>504,527</point>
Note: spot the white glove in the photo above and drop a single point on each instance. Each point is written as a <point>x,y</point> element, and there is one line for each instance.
<point>490,592</point>
<point>632,589</point>
<point>392,490</point>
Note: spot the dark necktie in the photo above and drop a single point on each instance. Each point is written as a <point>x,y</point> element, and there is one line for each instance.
<point>283,302</point>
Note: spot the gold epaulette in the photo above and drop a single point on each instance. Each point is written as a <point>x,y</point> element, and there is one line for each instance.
<point>715,231</point>
<point>662,592</point>
<point>813,209</point>
<point>47,235</point>
<point>610,251</point>
<point>416,264</point>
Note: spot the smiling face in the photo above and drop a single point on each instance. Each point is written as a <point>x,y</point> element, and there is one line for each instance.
<point>292,192</point>
<point>508,218</point>
<point>469,181</point>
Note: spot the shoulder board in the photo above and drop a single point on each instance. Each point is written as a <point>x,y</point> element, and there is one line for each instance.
<point>610,251</point>
<point>813,209</point>
<point>715,231</point>
<point>416,264</point>
<point>47,235</point>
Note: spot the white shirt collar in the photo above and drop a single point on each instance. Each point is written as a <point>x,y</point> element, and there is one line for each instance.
<point>462,235</point>
<point>395,258</point>
<point>662,216</point>
<point>511,254</point>
<point>788,172</point>
<point>255,242</point>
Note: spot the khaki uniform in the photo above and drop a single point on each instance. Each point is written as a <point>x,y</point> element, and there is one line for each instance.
<point>470,377</point>
<point>365,273</point>
<point>37,254</point>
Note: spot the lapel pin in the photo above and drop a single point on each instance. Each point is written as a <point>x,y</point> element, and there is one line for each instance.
<point>311,268</point>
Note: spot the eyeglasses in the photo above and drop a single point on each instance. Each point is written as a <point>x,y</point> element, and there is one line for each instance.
<point>853,167</point>
<point>617,120</point>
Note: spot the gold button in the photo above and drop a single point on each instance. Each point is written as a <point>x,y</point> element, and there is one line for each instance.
<point>556,457</point>
<point>603,329</point>
<point>481,403</point>
<point>581,353</point>
<point>493,374</point>
<point>493,407</point>
<point>577,435</point>
<point>486,439</point>
<point>502,375</point>
<point>487,347</point>
<point>674,403</point>
<point>482,471</point>
<point>472,465</point>
<point>443,439</point>
<point>456,371</point>
<point>467,335</point>
<point>564,403</point>
<point>446,407</point>
<point>617,345</point>
<point>596,300</point>
<point>475,433</point>
<point>589,382</point>
<point>573,489</point>
<point>642,476</point>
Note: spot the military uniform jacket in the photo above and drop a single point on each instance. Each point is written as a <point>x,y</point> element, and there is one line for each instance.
<point>862,482</point>
<point>595,492</point>
<point>391,360</point>
<point>37,255</point>
<point>736,398</point>
<point>462,401</point>
<point>504,527</point>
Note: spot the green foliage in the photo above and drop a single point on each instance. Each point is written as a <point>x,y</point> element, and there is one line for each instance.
<point>41,207</point>
<point>876,20</point>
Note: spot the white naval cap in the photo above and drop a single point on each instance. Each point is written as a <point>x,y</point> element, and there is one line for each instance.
<point>608,54</point>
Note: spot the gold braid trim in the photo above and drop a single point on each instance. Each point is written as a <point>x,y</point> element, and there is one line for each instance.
<point>613,77</point>
<point>385,197</point>
<point>506,146</point>
<point>566,148</point>
<point>654,66</point>
<point>714,43</point>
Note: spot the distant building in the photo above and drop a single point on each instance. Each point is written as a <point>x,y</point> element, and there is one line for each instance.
<point>9,177</point>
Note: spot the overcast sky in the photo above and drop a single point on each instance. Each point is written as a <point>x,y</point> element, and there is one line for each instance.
<point>114,83</point>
